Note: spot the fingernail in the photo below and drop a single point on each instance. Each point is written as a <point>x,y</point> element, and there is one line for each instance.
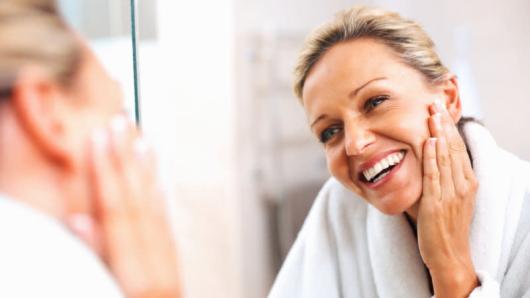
<point>118,124</point>
<point>439,106</point>
<point>141,147</point>
<point>99,139</point>
<point>432,141</point>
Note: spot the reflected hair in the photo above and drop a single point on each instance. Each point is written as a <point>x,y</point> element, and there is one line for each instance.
<point>408,40</point>
<point>33,33</point>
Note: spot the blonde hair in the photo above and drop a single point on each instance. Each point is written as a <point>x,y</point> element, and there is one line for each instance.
<point>33,33</point>
<point>405,37</point>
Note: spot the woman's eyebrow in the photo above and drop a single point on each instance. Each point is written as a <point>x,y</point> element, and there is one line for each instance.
<point>318,119</point>
<point>351,95</point>
<point>354,92</point>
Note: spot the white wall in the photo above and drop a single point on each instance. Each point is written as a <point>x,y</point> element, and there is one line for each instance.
<point>187,87</point>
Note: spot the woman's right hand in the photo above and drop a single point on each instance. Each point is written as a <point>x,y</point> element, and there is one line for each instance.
<point>446,208</point>
<point>130,231</point>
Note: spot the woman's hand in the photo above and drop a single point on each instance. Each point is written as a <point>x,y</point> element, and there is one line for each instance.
<point>446,208</point>
<point>130,229</point>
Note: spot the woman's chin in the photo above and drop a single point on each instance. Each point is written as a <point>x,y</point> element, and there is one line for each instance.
<point>394,205</point>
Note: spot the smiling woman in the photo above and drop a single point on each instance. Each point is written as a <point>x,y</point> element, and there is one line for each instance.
<point>418,209</point>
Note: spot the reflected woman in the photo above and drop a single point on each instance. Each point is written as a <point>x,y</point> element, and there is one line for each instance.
<point>422,201</point>
<point>72,169</point>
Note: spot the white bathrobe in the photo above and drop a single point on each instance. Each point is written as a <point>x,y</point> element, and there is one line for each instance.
<point>347,248</point>
<point>40,258</point>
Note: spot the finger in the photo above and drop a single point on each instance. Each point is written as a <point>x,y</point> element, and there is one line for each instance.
<point>123,136</point>
<point>443,158</point>
<point>146,160</point>
<point>105,189</point>
<point>143,220</point>
<point>431,175</point>
<point>460,161</point>
<point>145,195</point>
<point>103,185</point>
<point>135,200</point>
<point>153,224</point>
<point>117,239</point>
<point>156,228</point>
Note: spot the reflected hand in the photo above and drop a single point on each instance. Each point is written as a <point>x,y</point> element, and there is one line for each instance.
<point>131,232</point>
<point>446,208</point>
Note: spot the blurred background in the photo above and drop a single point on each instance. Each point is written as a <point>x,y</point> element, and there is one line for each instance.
<point>235,151</point>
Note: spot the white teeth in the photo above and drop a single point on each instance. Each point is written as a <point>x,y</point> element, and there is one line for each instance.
<point>384,163</point>
<point>380,177</point>
<point>378,167</point>
<point>372,172</point>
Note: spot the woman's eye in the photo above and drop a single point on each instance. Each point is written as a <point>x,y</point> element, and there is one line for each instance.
<point>373,102</point>
<point>328,133</point>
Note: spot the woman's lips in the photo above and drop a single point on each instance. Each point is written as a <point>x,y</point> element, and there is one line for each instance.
<point>387,176</point>
<point>378,157</point>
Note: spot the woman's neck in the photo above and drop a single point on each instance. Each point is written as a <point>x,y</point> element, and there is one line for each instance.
<point>28,177</point>
<point>412,212</point>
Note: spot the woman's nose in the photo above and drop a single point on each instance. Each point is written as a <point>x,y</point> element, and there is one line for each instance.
<point>357,138</point>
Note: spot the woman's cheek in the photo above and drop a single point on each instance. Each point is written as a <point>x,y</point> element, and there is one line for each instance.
<point>413,131</point>
<point>339,167</point>
<point>333,161</point>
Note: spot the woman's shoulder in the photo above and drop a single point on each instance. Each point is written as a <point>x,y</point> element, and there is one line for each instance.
<point>513,285</point>
<point>335,211</point>
<point>40,257</point>
<point>335,199</point>
<point>336,217</point>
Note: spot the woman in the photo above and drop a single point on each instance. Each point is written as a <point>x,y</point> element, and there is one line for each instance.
<point>71,162</point>
<point>422,201</point>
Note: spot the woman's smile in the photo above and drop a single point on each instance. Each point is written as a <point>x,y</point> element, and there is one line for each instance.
<point>371,117</point>
<point>389,176</point>
<point>380,169</point>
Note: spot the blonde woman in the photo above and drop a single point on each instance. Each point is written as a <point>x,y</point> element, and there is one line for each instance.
<point>80,211</point>
<point>422,201</point>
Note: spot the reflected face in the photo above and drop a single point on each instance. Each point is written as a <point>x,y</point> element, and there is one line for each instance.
<point>370,111</point>
<point>93,99</point>
<point>99,96</point>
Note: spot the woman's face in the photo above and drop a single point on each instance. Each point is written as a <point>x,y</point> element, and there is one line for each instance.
<point>370,111</point>
<point>91,103</point>
<point>101,96</point>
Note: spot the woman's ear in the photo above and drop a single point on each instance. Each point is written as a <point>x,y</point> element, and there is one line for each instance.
<point>452,97</point>
<point>37,101</point>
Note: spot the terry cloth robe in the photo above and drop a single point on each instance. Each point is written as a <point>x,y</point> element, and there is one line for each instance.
<point>40,258</point>
<point>347,248</point>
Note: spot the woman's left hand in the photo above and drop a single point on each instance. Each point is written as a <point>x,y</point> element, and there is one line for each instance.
<point>446,208</point>
<point>129,228</point>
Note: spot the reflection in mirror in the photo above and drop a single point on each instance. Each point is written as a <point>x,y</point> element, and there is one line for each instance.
<point>217,100</point>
